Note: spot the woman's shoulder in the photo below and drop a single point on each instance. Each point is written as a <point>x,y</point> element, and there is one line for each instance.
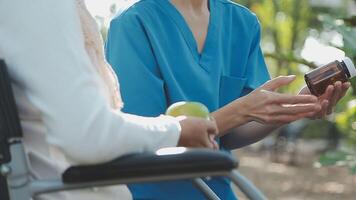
<point>239,11</point>
<point>236,6</point>
<point>136,9</point>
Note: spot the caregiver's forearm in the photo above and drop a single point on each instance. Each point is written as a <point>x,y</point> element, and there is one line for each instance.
<point>247,134</point>
<point>230,116</point>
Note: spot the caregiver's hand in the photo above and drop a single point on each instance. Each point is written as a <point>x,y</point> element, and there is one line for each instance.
<point>267,106</point>
<point>198,132</point>
<point>329,99</point>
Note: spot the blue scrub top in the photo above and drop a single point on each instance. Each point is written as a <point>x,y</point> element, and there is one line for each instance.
<point>155,56</point>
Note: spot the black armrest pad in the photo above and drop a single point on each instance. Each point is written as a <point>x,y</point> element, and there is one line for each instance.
<point>152,164</point>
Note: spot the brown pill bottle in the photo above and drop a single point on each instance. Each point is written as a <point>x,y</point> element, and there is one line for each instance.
<point>319,79</point>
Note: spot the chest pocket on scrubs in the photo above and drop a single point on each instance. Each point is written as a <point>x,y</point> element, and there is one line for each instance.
<point>230,89</point>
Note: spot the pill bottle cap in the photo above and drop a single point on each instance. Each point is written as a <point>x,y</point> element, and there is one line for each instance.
<point>350,66</point>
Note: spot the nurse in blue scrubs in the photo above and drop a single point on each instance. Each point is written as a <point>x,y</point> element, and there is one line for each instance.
<point>207,51</point>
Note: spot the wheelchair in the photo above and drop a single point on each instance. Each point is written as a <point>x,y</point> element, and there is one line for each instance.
<point>166,164</point>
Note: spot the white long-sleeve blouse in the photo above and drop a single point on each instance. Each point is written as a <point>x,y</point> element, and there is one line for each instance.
<point>65,107</point>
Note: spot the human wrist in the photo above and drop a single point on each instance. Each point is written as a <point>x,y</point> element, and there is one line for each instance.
<point>230,116</point>
<point>241,111</point>
<point>175,127</point>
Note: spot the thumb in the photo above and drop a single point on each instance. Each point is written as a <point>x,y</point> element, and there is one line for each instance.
<point>212,128</point>
<point>278,82</point>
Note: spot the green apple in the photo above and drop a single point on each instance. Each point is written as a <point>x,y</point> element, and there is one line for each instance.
<point>192,109</point>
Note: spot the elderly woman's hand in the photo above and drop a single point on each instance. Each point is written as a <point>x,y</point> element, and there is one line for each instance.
<point>197,132</point>
<point>329,99</point>
<point>267,106</point>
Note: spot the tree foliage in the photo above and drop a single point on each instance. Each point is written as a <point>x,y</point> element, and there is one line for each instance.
<point>286,26</point>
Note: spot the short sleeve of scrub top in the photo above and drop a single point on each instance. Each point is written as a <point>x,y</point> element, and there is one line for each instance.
<point>155,56</point>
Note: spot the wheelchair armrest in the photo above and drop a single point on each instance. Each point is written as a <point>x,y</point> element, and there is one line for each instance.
<point>169,161</point>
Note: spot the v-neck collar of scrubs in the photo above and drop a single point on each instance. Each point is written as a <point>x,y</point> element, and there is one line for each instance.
<point>210,43</point>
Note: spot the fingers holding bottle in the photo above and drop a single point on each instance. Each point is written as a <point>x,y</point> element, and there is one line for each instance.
<point>269,107</point>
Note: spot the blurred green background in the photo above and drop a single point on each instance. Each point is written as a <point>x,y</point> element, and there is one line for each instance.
<point>288,26</point>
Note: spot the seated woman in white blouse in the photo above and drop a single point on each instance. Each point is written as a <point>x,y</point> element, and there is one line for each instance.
<point>68,97</point>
